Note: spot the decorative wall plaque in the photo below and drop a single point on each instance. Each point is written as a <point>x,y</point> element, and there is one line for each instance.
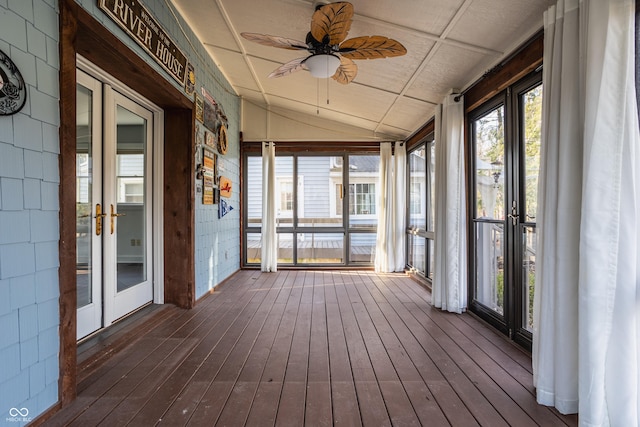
<point>13,91</point>
<point>222,139</point>
<point>142,27</point>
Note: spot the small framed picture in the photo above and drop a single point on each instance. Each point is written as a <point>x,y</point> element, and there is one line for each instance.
<point>199,108</point>
<point>209,140</point>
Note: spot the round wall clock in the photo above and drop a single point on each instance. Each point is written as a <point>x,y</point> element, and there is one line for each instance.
<point>13,91</point>
<point>222,139</point>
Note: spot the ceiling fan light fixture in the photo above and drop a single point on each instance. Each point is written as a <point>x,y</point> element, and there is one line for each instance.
<point>322,65</point>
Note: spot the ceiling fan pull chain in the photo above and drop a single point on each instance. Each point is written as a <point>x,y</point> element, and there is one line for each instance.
<point>327,91</point>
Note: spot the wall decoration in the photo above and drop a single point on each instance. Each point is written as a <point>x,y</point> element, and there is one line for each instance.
<point>190,81</point>
<point>224,208</point>
<point>210,116</point>
<point>13,91</point>
<point>216,196</point>
<point>207,176</point>
<point>209,139</point>
<point>222,139</point>
<point>142,27</point>
<point>199,108</point>
<point>225,187</point>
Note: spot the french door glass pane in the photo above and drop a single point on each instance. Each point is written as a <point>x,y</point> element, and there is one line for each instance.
<point>84,202</point>
<point>490,265</point>
<point>532,126</point>
<point>318,177</point>
<point>254,191</point>
<point>130,198</point>
<point>528,274</point>
<point>417,188</point>
<point>363,191</point>
<point>363,247</point>
<point>489,164</point>
<point>320,248</point>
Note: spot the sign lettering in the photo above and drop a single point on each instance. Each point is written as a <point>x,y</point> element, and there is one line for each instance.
<point>136,21</point>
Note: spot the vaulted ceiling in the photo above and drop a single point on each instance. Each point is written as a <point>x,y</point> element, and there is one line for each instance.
<point>450,44</point>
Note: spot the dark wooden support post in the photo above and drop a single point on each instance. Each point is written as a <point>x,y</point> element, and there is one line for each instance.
<point>67,160</point>
<point>179,208</point>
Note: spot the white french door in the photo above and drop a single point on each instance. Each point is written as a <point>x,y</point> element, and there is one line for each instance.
<point>114,215</point>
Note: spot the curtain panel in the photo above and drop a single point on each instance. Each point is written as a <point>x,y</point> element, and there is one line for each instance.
<point>586,349</point>
<point>390,236</point>
<point>450,273</point>
<point>269,260</point>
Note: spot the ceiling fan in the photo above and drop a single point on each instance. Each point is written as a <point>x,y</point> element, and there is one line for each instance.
<point>331,55</point>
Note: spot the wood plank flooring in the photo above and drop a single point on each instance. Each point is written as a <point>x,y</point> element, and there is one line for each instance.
<point>318,348</point>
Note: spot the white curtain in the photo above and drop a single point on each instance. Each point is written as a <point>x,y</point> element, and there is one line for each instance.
<point>586,355</point>
<point>269,260</point>
<point>390,237</point>
<point>450,272</point>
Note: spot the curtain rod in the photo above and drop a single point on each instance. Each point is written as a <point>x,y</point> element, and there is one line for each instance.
<point>502,63</point>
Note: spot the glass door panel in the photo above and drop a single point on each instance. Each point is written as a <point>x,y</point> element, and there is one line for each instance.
<point>489,215</point>
<point>506,163</point>
<point>130,199</point>
<point>528,275</point>
<point>127,187</point>
<point>530,102</point>
<point>490,265</point>
<point>88,204</point>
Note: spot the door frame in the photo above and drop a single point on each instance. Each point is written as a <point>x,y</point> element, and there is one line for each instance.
<point>81,33</point>
<point>510,323</point>
<point>157,177</point>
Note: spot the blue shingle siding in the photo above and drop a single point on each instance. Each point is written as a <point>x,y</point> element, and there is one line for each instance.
<point>22,8</point>
<point>29,212</point>
<point>36,42</point>
<point>29,184</point>
<point>28,317</point>
<point>12,198</point>
<point>13,29</point>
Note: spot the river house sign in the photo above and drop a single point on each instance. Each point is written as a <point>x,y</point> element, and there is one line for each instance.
<point>136,20</point>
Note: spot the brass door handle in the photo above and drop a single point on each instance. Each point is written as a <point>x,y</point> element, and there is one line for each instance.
<point>98,217</point>
<point>114,215</point>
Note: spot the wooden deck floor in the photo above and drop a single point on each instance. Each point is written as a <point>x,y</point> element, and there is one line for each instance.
<point>313,348</point>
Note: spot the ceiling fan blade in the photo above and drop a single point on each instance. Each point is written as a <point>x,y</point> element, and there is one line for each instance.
<point>275,41</point>
<point>371,47</point>
<point>289,67</point>
<point>331,23</point>
<point>346,72</point>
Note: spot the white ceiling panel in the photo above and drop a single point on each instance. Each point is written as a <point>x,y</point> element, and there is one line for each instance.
<point>449,45</point>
